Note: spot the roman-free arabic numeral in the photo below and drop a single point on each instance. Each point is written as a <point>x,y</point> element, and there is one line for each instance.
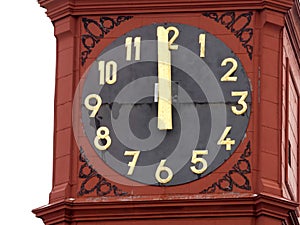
<point>107,72</point>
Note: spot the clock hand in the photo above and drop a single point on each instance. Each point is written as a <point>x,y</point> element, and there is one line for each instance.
<point>164,76</point>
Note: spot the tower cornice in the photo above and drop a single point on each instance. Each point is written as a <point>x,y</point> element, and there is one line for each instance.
<point>57,9</point>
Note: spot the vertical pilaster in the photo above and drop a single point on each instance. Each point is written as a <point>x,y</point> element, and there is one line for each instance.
<point>63,136</point>
<point>270,63</point>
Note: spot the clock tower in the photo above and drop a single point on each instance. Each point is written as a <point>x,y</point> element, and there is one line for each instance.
<point>181,112</point>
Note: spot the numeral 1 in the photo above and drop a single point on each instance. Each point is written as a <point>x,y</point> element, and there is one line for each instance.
<point>228,141</point>
<point>202,45</point>
<point>107,72</point>
<point>137,46</point>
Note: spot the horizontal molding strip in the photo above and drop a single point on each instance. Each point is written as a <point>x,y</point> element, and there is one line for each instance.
<point>177,207</point>
<point>57,9</point>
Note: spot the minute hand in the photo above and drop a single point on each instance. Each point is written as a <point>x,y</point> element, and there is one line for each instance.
<point>164,76</point>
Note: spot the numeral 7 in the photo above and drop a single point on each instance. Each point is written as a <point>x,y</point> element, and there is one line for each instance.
<point>132,164</point>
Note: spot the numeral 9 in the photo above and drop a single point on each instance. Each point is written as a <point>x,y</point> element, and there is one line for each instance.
<point>94,108</point>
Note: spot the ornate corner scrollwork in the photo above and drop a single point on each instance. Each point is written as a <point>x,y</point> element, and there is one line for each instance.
<point>238,25</point>
<point>103,27</point>
<point>102,187</point>
<point>238,171</point>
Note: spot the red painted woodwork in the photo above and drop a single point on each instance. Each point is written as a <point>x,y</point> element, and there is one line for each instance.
<point>274,75</point>
<point>290,109</point>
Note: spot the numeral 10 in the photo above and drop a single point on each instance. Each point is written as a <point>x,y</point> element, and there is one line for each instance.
<point>107,72</point>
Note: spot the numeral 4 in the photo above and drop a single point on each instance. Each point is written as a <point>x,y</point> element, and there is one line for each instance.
<point>226,141</point>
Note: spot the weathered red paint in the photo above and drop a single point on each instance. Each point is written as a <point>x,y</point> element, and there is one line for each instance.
<point>274,75</point>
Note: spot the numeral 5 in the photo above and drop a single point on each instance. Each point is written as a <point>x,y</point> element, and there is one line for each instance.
<point>196,158</point>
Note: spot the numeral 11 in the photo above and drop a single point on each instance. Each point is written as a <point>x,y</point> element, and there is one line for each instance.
<point>137,46</point>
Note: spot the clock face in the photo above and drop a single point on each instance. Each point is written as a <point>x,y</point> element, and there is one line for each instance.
<point>165,104</point>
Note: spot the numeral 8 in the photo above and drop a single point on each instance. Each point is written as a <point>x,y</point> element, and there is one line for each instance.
<point>102,134</point>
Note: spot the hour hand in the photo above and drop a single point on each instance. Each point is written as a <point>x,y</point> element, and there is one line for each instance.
<point>164,76</point>
<point>164,97</point>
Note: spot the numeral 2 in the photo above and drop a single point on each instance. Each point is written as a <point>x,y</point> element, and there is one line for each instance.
<point>227,76</point>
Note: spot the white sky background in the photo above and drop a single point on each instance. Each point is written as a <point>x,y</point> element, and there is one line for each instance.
<point>26,114</point>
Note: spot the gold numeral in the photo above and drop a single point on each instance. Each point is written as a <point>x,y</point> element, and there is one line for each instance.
<point>241,101</point>
<point>173,38</point>
<point>228,141</point>
<point>196,159</point>
<point>128,43</point>
<point>202,45</point>
<point>107,72</point>
<point>95,108</point>
<point>132,164</point>
<point>227,76</point>
<point>162,168</point>
<point>102,134</point>
<point>137,46</point>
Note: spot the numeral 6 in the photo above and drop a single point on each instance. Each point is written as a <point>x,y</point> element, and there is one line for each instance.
<point>162,168</point>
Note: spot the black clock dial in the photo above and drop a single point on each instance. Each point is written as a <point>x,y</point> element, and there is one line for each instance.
<point>165,104</point>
